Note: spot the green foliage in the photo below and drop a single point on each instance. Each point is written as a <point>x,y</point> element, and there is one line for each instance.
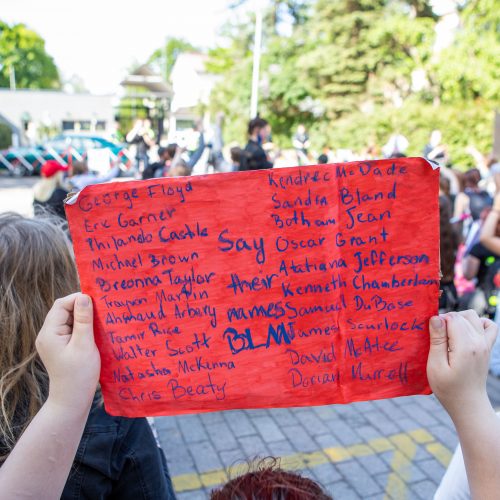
<point>232,97</point>
<point>461,127</point>
<point>24,50</point>
<point>5,136</point>
<point>367,55</point>
<point>163,58</point>
<point>348,72</point>
<point>470,68</point>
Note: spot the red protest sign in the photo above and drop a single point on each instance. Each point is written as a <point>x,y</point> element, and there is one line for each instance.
<point>290,287</point>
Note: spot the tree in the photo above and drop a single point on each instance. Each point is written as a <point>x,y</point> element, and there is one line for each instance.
<point>163,59</point>
<point>355,71</point>
<point>364,51</point>
<point>279,96</point>
<point>469,69</point>
<point>23,51</point>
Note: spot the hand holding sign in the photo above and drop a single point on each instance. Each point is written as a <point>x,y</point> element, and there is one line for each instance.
<point>290,287</point>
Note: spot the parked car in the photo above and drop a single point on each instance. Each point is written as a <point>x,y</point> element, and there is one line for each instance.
<point>65,148</point>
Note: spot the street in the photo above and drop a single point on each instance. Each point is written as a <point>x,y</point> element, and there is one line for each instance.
<point>16,194</point>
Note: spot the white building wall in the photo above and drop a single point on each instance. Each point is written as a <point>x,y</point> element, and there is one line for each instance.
<point>48,109</point>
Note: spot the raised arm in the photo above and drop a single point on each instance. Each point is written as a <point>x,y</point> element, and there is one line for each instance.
<point>39,464</point>
<point>457,369</point>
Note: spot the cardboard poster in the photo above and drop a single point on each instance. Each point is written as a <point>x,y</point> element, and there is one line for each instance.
<point>289,287</point>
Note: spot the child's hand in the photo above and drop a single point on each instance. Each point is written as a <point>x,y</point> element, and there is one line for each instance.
<point>68,351</point>
<point>457,367</point>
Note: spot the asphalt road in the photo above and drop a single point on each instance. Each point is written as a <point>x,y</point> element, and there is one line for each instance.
<point>16,194</point>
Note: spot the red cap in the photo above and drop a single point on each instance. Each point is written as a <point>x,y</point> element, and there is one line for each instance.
<point>51,167</point>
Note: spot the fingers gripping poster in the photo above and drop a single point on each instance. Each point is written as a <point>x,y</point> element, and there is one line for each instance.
<point>289,287</point>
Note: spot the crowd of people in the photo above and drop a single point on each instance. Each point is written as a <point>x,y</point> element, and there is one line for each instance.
<point>470,240</point>
<point>52,421</point>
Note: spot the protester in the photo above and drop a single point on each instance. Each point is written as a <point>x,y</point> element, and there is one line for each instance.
<point>80,177</point>
<point>448,245</point>
<point>190,159</point>
<point>473,200</point>
<point>266,480</point>
<point>160,167</point>
<point>481,265</point>
<point>51,190</point>
<point>48,446</point>
<point>322,159</point>
<point>238,159</point>
<point>217,144</point>
<point>457,369</point>
<point>180,169</point>
<point>301,143</point>
<point>143,137</point>
<point>491,240</point>
<point>258,132</point>
<point>488,166</point>
<point>117,457</point>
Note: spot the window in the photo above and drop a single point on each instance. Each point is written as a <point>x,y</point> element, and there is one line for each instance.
<point>184,124</point>
<point>68,125</point>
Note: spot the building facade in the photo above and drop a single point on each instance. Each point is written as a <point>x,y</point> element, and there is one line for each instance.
<point>34,115</point>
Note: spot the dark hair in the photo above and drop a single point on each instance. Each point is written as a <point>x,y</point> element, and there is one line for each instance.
<point>472,178</point>
<point>444,185</point>
<point>256,123</point>
<point>265,480</point>
<point>236,154</point>
<point>322,158</point>
<point>171,149</point>
<point>80,167</point>
<point>179,170</point>
<point>448,242</point>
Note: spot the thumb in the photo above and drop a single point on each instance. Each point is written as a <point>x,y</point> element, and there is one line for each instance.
<point>83,319</point>
<point>490,331</point>
<point>438,350</point>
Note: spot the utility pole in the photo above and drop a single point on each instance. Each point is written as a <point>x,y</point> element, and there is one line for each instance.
<point>257,47</point>
<point>12,77</point>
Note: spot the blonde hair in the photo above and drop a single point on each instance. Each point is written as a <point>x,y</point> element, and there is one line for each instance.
<point>46,186</point>
<point>36,268</point>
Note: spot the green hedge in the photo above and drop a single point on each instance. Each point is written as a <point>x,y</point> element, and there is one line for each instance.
<point>460,126</point>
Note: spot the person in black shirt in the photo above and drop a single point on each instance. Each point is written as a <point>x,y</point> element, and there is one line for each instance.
<point>50,191</point>
<point>160,168</point>
<point>256,158</point>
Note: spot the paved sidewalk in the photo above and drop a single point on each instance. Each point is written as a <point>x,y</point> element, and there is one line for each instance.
<point>16,194</point>
<point>390,449</point>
